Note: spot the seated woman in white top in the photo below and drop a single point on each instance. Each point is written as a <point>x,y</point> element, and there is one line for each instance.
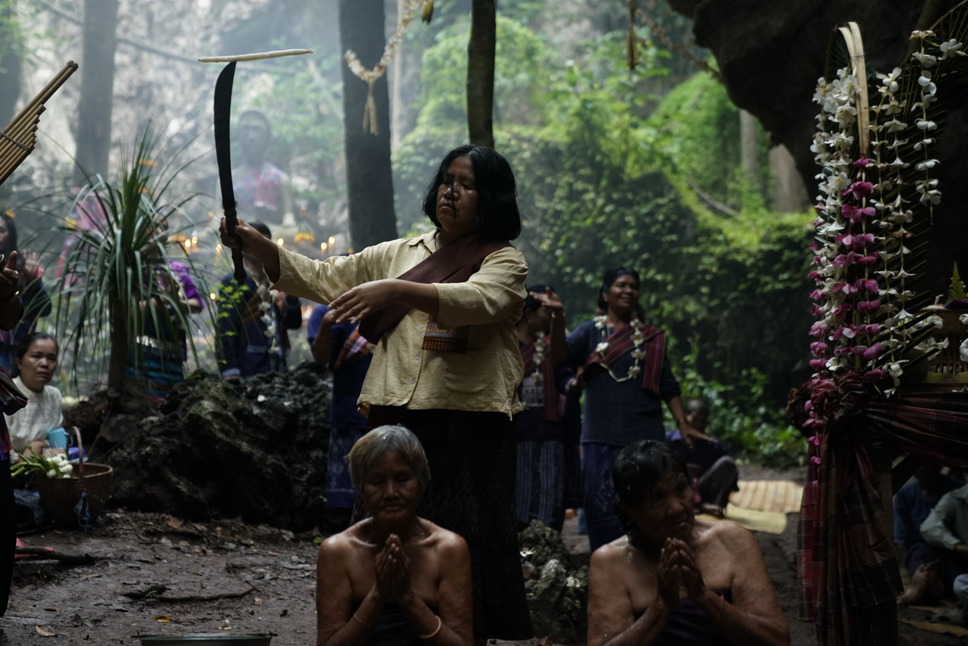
<point>36,360</point>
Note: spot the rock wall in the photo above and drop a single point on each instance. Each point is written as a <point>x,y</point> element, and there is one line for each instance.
<point>771,54</point>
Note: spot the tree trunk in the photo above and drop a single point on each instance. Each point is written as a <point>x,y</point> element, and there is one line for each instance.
<point>97,89</point>
<point>119,345</point>
<point>368,175</point>
<point>789,193</point>
<point>480,72</point>
<point>749,150</point>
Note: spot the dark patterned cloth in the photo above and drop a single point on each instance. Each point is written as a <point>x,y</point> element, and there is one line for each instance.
<point>540,488</point>
<point>472,470</point>
<point>598,460</point>
<point>688,625</point>
<point>340,493</point>
<point>392,628</point>
<point>846,560</point>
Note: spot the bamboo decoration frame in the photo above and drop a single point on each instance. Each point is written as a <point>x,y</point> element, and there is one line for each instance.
<point>18,138</point>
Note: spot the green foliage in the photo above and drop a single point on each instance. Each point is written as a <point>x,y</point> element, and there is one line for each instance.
<point>610,174</point>
<point>116,278</point>
<point>741,417</point>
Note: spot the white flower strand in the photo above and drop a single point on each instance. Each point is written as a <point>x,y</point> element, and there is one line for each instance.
<point>540,349</point>
<point>638,339</point>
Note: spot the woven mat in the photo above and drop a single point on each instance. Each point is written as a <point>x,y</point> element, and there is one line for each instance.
<point>763,505</point>
<point>943,629</point>
<point>781,496</point>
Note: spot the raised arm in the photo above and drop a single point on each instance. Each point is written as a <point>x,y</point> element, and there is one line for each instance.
<point>250,241</point>
<point>11,308</point>
<point>373,296</point>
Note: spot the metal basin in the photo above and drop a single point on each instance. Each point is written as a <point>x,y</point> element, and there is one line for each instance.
<point>203,640</point>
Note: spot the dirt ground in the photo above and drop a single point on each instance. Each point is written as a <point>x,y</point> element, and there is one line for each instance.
<point>149,574</point>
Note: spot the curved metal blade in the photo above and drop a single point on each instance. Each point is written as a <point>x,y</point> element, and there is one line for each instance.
<point>223,155</point>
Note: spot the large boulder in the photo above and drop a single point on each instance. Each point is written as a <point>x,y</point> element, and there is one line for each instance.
<point>255,450</point>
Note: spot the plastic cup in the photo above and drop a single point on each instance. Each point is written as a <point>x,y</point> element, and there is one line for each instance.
<point>57,438</point>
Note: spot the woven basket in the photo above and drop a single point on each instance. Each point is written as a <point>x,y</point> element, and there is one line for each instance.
<point>76,501</point>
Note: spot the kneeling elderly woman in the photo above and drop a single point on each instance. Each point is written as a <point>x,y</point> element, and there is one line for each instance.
<point>673,578</point>
<point>393,578</point>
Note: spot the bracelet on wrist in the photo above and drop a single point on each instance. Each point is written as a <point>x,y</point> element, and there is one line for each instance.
<point>440,623</point>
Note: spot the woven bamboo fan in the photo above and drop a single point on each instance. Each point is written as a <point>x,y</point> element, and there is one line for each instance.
<point>18,138</point>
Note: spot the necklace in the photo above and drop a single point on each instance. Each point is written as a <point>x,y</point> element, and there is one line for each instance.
<point>637,352</point>
<point>539,354</point>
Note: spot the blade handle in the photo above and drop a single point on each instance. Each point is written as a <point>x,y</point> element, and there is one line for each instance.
<point>231,220</point>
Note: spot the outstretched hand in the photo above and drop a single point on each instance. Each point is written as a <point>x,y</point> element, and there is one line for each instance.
<point>549,298</point>
<point>691,435</point>
<point>365,299</point>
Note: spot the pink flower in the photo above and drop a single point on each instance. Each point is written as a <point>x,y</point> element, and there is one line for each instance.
<point>874,351</point>
<point>818,348</point>
<point>859,190</point>
<point>867,307</point>
<point>868,260</point>
<point>818,330</point>
<point>861,163</point>
<point>868,284</point>
<point>818,364</point>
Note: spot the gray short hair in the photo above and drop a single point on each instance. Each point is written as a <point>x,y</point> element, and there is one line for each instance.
<point>383,440</point>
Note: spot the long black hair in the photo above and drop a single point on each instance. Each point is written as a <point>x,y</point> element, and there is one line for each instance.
<point>11,244</point>
<point>498,217</point>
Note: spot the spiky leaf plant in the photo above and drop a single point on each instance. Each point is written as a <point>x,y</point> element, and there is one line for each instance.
<point>116,278</point>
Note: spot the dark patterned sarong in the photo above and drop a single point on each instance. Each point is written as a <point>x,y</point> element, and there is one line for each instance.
<point>540,489</point>
<point>472,469</point>
<point>596,470</point>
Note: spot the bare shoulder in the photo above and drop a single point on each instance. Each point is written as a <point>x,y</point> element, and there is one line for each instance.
<point>726,532</point>
<point>445,540</point>
<point>338,546</point>
<point>610,555</point>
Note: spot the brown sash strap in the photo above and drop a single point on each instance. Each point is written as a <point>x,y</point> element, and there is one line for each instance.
<point>452,263</point>
<point>621,342</point>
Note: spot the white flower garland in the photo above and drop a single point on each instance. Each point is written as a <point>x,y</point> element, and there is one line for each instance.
<point>860,262</point>
<point>540,347</point>
<point>638,338</point>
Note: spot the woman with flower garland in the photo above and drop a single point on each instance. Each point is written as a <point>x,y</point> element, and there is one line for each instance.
<point>626,374</point>
<point>541,427</point>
